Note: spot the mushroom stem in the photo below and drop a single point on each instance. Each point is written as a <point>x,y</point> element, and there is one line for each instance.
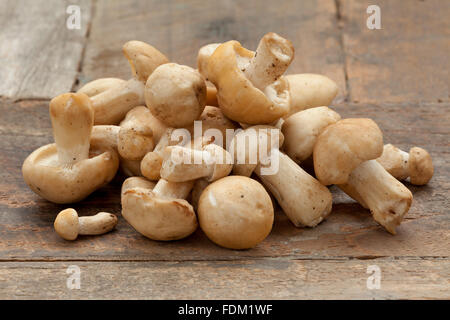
<point>72,119</point>
<point>304,199</point>
<point>100,223</point>
<point>173,190</point>
<point>272,58</point>
<point>185,164</point>
<point>374,188</point>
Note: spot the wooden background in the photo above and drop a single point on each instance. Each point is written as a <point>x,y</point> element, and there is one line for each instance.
<point>399,76</point>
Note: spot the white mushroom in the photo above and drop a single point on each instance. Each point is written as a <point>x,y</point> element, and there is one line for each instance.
<point>162,213</point>
<point>75,166</point>
<point>417,164</point>
<point>175,94</point>
<point>68,225</point>
<point>343,155</point>
<point>236,212</point>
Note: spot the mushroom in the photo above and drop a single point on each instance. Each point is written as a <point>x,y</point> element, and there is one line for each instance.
<point>162,213</point>
<point>301,130</point>
<point>108,135</point>
<point>95,87</point>
<point>185,164</point>
<point>343,155</point>
<point>135,137</point>
<point>73,167</point>
<point>197,190</point>
<point>213,123</point>
<point>203,56</point>
<point>111,105</point>
<point>175,94</point>
<point>304,200</point>
<point>211,94</point>
<point>417,164</point>
<point>152,161</point>
<point>308,90</point>
<point>272,58</point>
<point>250,88</point>
<point>236,212</point>
<point>68,225</point>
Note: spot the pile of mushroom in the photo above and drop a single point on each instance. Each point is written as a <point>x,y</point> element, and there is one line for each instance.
<point>210,147</point>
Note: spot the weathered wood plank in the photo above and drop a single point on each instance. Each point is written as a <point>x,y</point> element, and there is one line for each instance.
<point>40,56</point>
<point>26,220</point>
<point>263,279</point>
<point>407,60</point>
<point>180,28</point>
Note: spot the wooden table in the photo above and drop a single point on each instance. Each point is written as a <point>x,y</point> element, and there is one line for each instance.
<point>399,76</point>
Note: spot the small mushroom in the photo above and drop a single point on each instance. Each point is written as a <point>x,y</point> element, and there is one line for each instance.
<point>236,212</point>
<point>305,201</point>
<point>68,225</point>
<point>112,105</point>
<point>185,164</point>
<point>162,213</point>
<point>175,94</point>
<point>308,90</point>
<point>249,87</point>
<point>417,164</point>
<point>75,166</point>
<point>301,130</point>
<point>343,155</point>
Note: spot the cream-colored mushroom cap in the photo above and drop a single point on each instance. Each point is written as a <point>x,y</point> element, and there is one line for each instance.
<point>420,166</point>
<point>342,146</point>
<point>143,58</point>
<point>236,212</point>
<point>238,98</point>
<point>66,224</point>
<point>175,94</point>
<point>302,129</point>
<point>158,216</point>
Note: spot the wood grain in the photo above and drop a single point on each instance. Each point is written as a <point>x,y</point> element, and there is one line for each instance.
<point>407,60</point>
<point>26,220</point>
<point>246,279</point>
<point>180,28</point>
<point>40,56</point>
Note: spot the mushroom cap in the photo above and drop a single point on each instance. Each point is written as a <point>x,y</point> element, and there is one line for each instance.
<point>135,137</point>
<point>143,58</point>
<point>66,224</point>
<point>175,94</point>
<point>68,184</point>
<point>342,146</point>
<point>156,217</point>
<point>302,129</point>
<point>238,98</point>
<point>213,118</point>
<point>420,166</point>
<point>98,86</point>
<point>137,182</point>
<point>310,90</point>
<point>393,161</point>
<point>204,53</point>
<point>236,212</point>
